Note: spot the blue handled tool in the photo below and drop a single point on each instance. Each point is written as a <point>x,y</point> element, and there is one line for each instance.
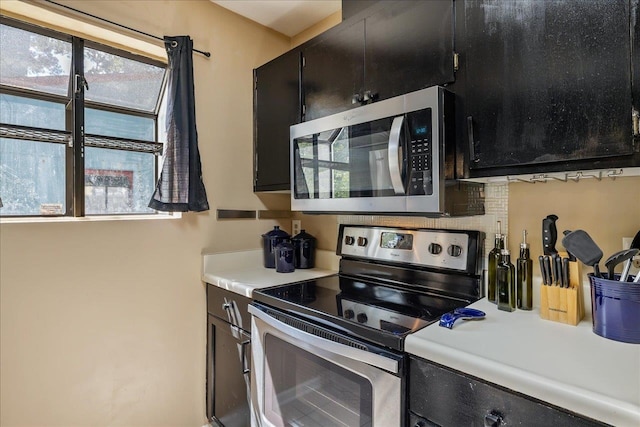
<point>448,319</point>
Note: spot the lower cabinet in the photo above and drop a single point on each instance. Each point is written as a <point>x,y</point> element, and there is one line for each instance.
<point>440,396</point>
<point>228,358</point>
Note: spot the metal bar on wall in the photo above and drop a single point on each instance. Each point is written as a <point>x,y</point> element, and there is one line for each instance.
<point>235,214</point>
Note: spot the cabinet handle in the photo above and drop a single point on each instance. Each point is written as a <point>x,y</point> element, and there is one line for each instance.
<point>492,419</point>
<point>369,96</point>
<point>243,354</point>
<point>472,143</point>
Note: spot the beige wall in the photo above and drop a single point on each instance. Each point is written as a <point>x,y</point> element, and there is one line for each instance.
<point>318,28</point>
<point>608,210</point>
<point>103,323</point>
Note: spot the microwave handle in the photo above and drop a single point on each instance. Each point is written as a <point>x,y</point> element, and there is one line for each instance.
<point>394,155</point>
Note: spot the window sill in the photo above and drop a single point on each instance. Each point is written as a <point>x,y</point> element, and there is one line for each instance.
<point>24,220</point>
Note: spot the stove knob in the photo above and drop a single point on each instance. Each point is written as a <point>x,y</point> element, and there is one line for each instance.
<point>435,248</point>
<point>362,241</point>
<point>349,240</point>
<point>362,318</point>
<point>348,314</point>
<point>454,250</point>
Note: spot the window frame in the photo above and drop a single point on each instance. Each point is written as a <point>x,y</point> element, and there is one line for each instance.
<point>75,106</point>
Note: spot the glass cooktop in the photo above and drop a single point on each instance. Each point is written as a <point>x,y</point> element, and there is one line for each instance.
<point>377,312</point>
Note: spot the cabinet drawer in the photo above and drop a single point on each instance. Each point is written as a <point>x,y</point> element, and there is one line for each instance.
<point>217,297</point>
<point>446,397</point>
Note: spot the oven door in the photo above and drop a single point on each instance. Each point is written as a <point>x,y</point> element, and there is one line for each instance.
<point>301,379</point>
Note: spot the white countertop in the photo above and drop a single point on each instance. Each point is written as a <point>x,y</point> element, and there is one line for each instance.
<point>242,272</point>
<point>568,366</point>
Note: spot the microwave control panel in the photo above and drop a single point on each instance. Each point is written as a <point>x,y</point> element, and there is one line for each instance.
<point>420,141</point>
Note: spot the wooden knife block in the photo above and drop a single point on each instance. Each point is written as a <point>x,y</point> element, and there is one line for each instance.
<point>564,305</point>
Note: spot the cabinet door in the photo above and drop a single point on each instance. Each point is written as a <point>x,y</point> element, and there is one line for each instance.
<point>333,72</point>
<point>546,81</point>
<point>445,397</point>
<point>276,107</point>
<point>409,46</point>
<point>228,386</point>
<point>635,56</point>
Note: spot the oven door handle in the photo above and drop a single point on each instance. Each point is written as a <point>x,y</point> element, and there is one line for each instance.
<point>395,170</point>
<point>326,345</point>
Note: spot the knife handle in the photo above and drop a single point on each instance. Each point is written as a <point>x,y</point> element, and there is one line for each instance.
<point>558,263</point>
<point>542,272</point>
<point>565,273</point>
<point>547,270</point>
<point>549,234</point>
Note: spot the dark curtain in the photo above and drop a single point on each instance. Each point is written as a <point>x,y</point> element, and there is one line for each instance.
<point>180,187</point>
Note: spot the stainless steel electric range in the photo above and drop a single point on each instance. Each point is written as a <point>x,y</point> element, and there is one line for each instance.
<point>329,351</point>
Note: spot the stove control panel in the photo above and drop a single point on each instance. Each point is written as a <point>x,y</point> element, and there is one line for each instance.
<point>442,249</point>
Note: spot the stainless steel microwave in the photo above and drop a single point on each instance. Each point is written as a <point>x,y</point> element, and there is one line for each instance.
<point>394,157</point>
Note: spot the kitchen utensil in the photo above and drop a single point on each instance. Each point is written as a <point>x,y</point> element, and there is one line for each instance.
<point>269,242</point>
<point>557,265</point>
<point>580,244</point>
<point>549,234</point>
<point>617,258</point>
<point>635,243</point>
<point>571,257</point>
<point>547,270</point>
<point>565,273</point>
<point>545,281</point>
<point>448,319</point>
<point>304,245</point>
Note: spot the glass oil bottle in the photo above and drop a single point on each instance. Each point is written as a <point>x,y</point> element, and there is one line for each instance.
<point>506,282</point>
<point>493,261</point>
<point>524,272</point>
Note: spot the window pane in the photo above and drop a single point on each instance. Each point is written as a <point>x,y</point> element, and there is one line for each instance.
<point>32,178</point>
<point>33,61</point>
<point>106,123</point>
<point>118,182</point>
<point>119,81</point>
<point>16,110</point>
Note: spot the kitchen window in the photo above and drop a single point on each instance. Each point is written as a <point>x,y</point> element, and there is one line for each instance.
<point>79,125</point>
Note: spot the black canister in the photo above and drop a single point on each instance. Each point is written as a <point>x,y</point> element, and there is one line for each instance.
<point>269,242</point>
<point>284,257</point>
<point>305,250</point>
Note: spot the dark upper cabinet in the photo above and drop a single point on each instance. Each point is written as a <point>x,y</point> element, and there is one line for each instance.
<point>276,107</point>
<point>547,85</point>
<point>333,71</point>
<point>635,54</point>
<point>402,46</point>
<point>350,8</point>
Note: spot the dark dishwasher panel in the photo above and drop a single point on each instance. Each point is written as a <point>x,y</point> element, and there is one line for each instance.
<point>228,358</point>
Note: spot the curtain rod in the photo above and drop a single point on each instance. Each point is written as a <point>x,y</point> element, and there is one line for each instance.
<point>207,54</point>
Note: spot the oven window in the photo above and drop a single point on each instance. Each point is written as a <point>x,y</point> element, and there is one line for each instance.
<point>302,389</point>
